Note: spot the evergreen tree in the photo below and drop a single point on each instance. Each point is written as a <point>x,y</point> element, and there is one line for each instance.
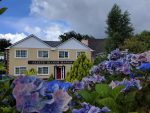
<point>79,69</point>
<point>118,29</point>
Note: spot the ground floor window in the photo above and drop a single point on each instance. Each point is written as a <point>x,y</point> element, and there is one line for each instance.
<point>59,72</point>
<point>20,70</point>
<point>43,70</point>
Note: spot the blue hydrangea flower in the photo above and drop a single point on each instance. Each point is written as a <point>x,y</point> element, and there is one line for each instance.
<point>55,85</point>
<point>32,95</point>
<point>144,67</point>
<point>87,108</point>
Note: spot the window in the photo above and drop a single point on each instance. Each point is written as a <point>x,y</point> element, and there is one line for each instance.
<point>43,54</point>
<point>20,70</point>
<point>79,52</point>
<point>43,71</point>
<point>63,54</point>
<point>21,53</point>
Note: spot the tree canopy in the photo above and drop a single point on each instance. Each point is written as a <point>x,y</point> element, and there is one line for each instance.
<point>118,28</point>
<point>73,34</point>
<point>4,44</point>
<point>137,44</point>
<point>3,9</point>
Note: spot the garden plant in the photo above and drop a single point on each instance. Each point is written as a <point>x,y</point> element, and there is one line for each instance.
<point>119,84</point>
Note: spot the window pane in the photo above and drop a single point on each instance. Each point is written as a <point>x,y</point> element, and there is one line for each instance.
<point>17,70</point>
<point>17,53</point>
<point>45,70</point>
<point>23,53</point>
<point>66,54</point>
<point>61,54</point>
<point>45,54</point>
<point>39,53</point>
<point>22,70</point>
<point>39,70</point>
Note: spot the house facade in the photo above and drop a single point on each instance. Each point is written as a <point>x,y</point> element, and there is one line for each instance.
<point>48,58</point>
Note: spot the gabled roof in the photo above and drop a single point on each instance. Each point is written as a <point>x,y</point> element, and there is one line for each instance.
<point>50,43</point>
<point>30,36</point>
<point>77,42</point>
<point>53,43</point>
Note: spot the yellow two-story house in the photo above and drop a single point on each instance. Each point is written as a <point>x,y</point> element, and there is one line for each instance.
<point>47,57</point>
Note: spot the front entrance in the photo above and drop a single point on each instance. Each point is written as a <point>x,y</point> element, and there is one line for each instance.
<point>59,72</point>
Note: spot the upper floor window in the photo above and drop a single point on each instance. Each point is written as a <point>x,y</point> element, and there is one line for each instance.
<point>63,54</point>
<point>43,70</point>
<point>79,52</point>
<point>43,54</point>
<point>21,53</point>
<point>20,70</point>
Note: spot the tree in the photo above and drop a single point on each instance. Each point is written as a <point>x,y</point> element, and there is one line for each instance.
<point>137,44</point>
<point>118,28</point>
<point>73,34</point>
<point>4,44</point>
<point>3,9</point>
<point>79,69</point>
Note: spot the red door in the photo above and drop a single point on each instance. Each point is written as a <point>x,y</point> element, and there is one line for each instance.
<point>58,73</point>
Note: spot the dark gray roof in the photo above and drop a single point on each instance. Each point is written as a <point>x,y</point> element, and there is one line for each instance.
<point>53,43</point>
<point>98,45</point>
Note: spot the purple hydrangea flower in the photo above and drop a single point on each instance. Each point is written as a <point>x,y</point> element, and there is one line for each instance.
<point>127,83</point>
<point>87,108</point>
<point>32,95</point>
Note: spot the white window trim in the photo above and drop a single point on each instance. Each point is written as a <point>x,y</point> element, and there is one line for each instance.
<point>79,51</point>
<point>42,57</point>
<point>64,51</point>
<point>20,50</point>
<point>43,74</point>
<point>19,67</point>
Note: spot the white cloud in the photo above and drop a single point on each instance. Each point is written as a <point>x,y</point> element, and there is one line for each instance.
<point>89,16</point>
<point>43,28</point>
<point>51,32</point>
<point>13,37</point>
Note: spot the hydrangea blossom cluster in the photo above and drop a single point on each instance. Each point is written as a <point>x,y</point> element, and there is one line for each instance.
<point>138,59</point>
<point>122,62</point>
<point>87,82</point>
<point>127,83</point>
<point>87,108</point>
<point>35,95</point>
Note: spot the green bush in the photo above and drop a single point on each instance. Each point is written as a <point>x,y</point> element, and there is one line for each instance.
<point>79,69</point>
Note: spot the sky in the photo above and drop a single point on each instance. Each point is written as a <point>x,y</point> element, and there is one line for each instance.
<point>47,19</point>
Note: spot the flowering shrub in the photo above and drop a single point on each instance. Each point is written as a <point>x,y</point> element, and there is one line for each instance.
<point>88,82</point>
<point>35,95</point>
<point>99,92</point>
<point>87,108</point>
<point>122,62</point>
